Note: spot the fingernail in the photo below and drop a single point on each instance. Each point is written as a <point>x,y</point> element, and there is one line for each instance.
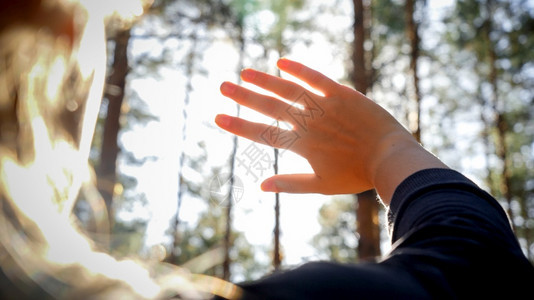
<point>283,62</point>
<point>227,88</point>
<point>268,186</point>
<point>248,74</point>
<point>222,120</point>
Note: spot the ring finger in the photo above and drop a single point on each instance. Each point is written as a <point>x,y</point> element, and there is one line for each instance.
<point>269,135</point>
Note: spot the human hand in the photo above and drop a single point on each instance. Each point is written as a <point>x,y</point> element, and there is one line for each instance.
<point>346,137</point>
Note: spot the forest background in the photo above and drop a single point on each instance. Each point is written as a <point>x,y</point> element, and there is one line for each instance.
<point>458,74</point>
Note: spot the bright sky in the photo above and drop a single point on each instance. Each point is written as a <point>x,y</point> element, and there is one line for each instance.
<point>158,179</point>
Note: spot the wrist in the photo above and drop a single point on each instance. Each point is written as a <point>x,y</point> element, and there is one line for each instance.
<point>398,157</point>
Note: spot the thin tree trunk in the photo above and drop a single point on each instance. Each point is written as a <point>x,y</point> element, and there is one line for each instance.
<point>486,140</point>
<point>228,234</point>
<point>227,243</point>
<point>413,38</point>
<point>501,147</point>
<point>107,168</point>
<point>367,207</point>
<point>359,70</point>
<point>525,228</point>
<point>181,186</point>
<point>502,153</point>
<point>277,256</point>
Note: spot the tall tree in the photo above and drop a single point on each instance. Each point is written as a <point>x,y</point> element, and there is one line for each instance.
<point>496,35</point>
<point>274,40</point>
<point>207,235</point>
<point>179,16</point>
<point>367,207</point>
<point>119,110</point>
<point>239,11</point>
<point>499,118</point>
<point>115,92</point>
<point>189,71</point>
<point>280,8</point>
<point>413,37</point>
<point>337,238</point>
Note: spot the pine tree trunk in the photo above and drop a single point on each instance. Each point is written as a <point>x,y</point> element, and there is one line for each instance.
<point>227,242</point>
<point>367,225</point>
<point>116,84</point>
<point>228,234</point>
<point>359,71</point>
<point>181,186</point>
<point>277,255</point>
<point>486,139</point>
<point>413,38</point>
<point>367,207</point>
<point>499,119</point>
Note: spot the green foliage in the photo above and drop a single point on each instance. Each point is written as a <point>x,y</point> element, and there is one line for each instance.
<point>495,38</point>
<point>208,233</point>
<point>337,238</point>
<point>241,9</point>
<point>459,87</point>
<point>127,237</point>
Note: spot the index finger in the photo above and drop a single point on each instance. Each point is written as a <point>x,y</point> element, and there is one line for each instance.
<point>314,78</point>
<point>284,88</point>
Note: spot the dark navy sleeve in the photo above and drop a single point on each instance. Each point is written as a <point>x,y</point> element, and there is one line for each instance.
<point>451,240</point>
<point>455,239</point>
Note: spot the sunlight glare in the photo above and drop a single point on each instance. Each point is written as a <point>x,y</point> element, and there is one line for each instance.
<point>41,182</point>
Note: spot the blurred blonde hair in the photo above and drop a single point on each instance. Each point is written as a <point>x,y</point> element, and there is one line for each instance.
<point>52,69</point>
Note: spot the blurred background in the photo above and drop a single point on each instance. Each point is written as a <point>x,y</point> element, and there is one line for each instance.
<point>458,74</point>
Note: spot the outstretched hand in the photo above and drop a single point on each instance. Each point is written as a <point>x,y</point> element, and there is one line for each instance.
<point>349,140</point>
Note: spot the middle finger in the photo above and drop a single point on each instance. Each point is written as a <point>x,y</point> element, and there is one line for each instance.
<point>284,88</point>
<point>264,104</point>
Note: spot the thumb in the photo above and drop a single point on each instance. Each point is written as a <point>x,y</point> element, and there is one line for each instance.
<point>292,183</point>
